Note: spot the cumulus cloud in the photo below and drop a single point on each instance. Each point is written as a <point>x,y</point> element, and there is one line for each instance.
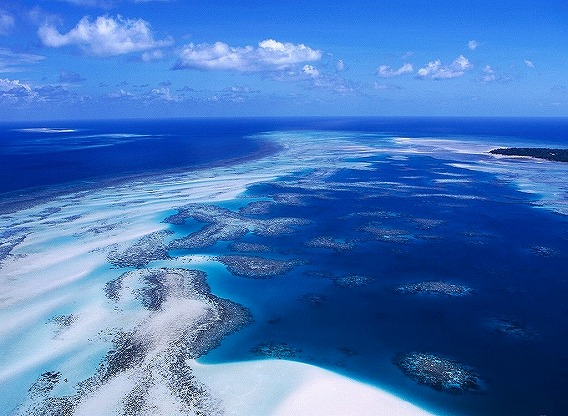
<point>70,77</point>
<point>154,55</point>
<point>385,71</point>
<point>106,36</point>
<point>163,94</point>
<point>330,82</point>
<point>22,94</point>
<point>310,71</point>
<point>14,86</point>
<point>269,55</point>
<point>488,74</point>
<point>472,45</point>
<point>14,92</point>
<point>435,69</point>
<point>122,93</point>
<point>11,61</point>
<point>7,22</point>
<point>314,78</point>
<point>235,94</point>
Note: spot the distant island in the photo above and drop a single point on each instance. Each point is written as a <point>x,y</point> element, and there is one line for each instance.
<point>557,155</point>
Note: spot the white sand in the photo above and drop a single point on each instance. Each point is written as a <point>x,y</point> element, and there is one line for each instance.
<point>61,269</point>
<point>285,388</point>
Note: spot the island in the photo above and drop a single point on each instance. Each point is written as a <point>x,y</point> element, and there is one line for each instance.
<point>556,155</point>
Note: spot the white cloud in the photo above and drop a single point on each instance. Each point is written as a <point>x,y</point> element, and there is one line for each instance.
<point>340,65</point>
<point>385,71</point>
<point>7,85</point>
<point>330,82</point>
<point>473,45</point>
<point>106,36</point>
<point>435,69</point>
<point>239,89</point>
<point>70,77</point>
<point>313,78</point>
<point>270,55</point>
<point>310,71</point>
<point>154,55</point>
<point>528,63</point>
<point>385,87</point>
<point>11,61</point>
<point>122,93</point>
<point>488,74</point>
<point>155,95</point>
<point>7,22</point>
<point>461,63</point>
<point>17,93</point>
<point>163,94</point>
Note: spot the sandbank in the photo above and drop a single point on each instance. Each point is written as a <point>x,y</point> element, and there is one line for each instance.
<point>284,388</point>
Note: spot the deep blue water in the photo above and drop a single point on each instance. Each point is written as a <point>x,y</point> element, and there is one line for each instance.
<point>487,244</point>
<point>45,157</point>
<point>511,254</point>
<point>91,151</point>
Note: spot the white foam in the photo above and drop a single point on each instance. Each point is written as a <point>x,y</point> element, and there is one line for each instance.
<point>46,130</point>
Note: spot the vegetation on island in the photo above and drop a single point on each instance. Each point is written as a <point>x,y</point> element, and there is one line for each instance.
<point>556,155</point>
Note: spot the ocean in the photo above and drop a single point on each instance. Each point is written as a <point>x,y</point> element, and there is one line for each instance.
<point>395,251</point>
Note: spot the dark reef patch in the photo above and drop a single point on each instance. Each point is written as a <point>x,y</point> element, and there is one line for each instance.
<point>276,350</point>
<point>149,248</point>
<point>350,281</point>
<point>157,358</point>
<point>257,267</point>
<point>245,247</point>
<point>313,299</point>
<point>257,208</point>
<point>512,328</point>
<point>330,243</point>
<point>9,239</point>
<point>439,373</point>
<point>434,288</point>
<point>225,225</point>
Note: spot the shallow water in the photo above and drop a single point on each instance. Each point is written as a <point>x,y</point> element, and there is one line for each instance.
<point>382,203</point>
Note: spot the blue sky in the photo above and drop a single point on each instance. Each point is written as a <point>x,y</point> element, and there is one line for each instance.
<point>176,58</point>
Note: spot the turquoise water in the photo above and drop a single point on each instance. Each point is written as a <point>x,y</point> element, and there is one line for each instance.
<point>433,207</point>
<point>489,243</point>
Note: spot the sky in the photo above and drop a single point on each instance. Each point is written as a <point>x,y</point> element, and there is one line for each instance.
<point>75,59</point>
